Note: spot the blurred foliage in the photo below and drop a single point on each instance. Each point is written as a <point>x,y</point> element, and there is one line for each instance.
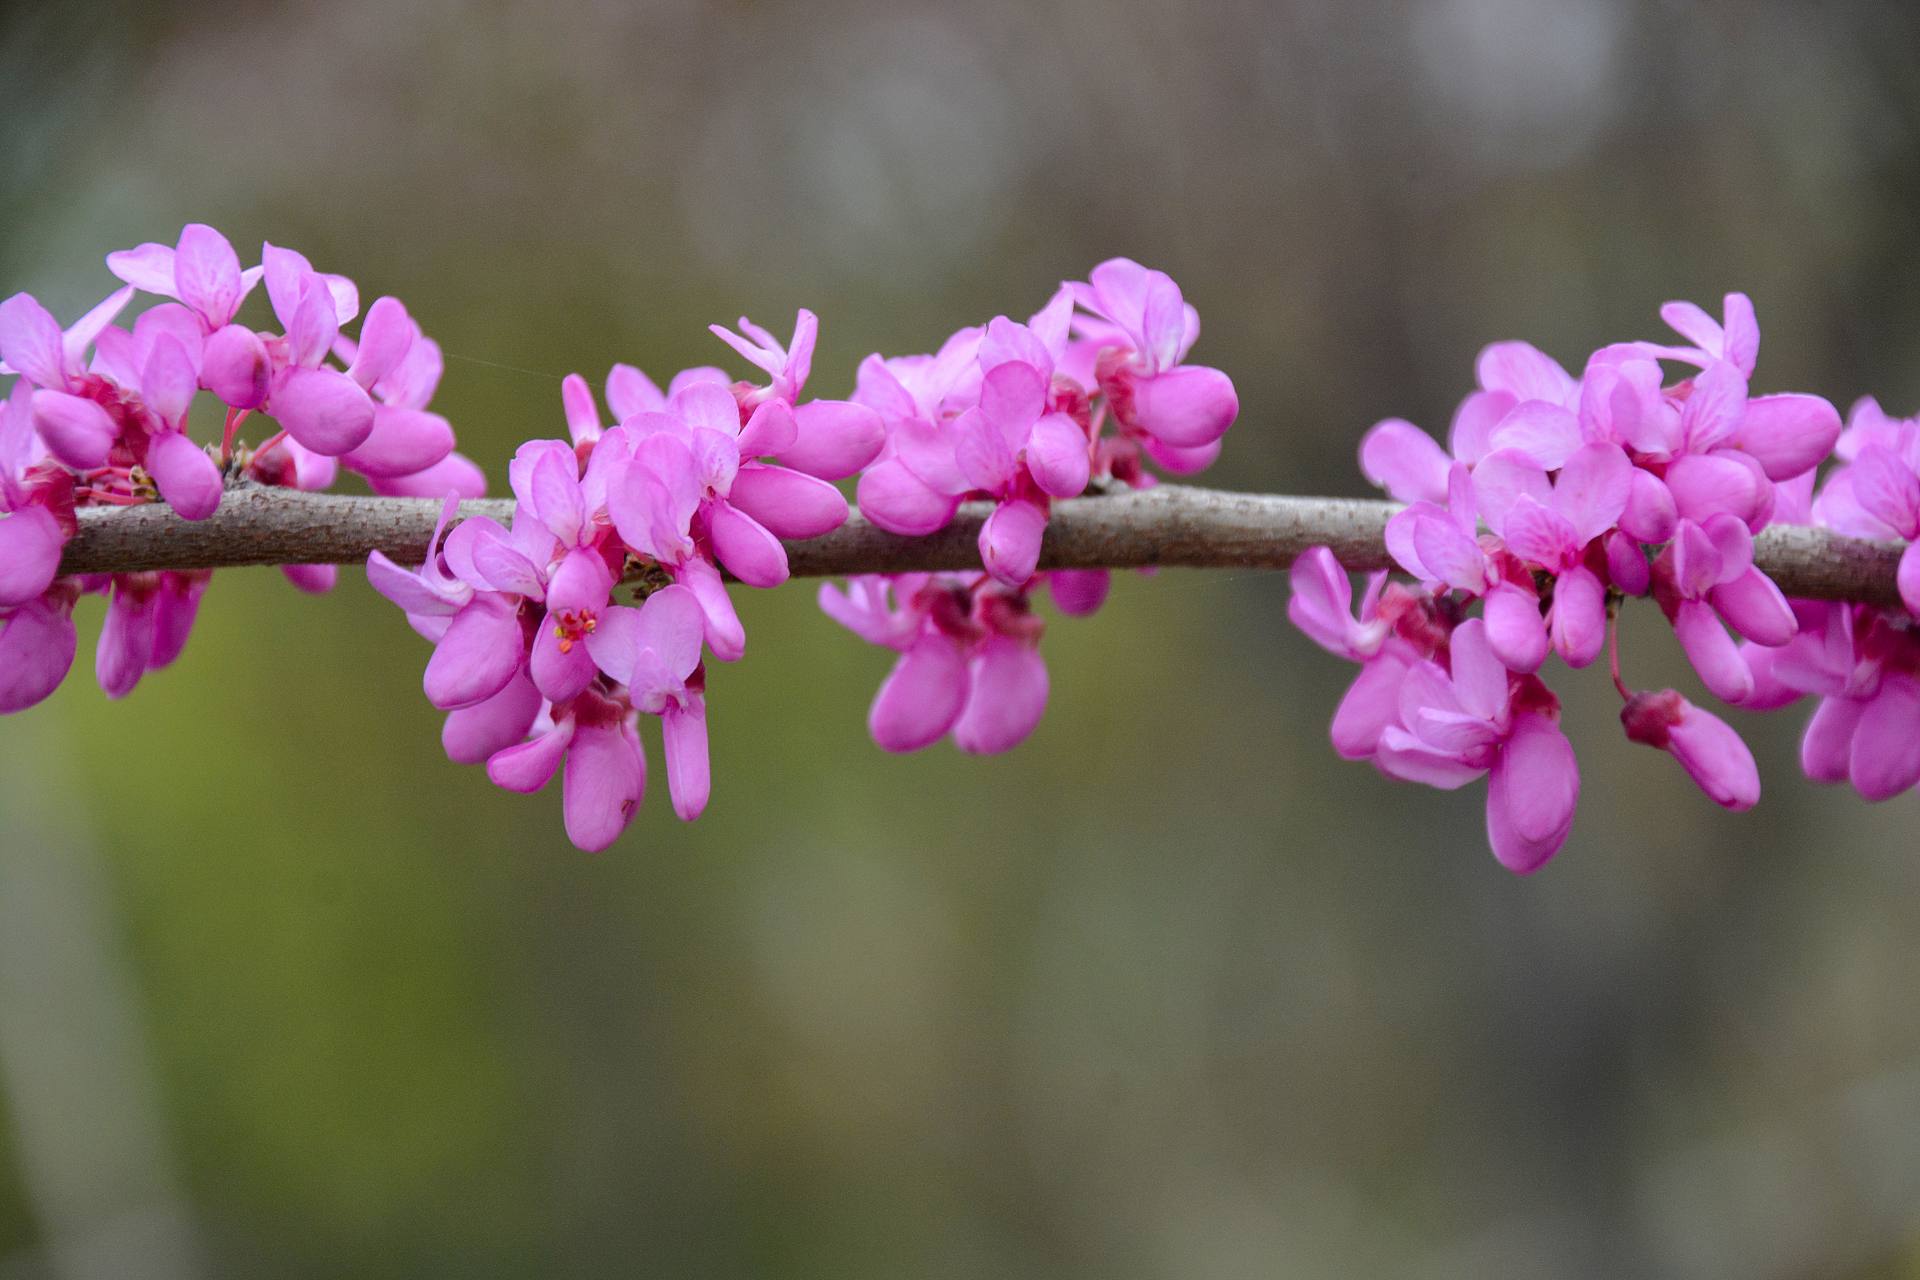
<point>1168,991</point>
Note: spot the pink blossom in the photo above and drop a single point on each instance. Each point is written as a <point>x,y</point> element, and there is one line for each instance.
<point>595,736</point>
<point>1147,328</point>
<point>1705,745</point>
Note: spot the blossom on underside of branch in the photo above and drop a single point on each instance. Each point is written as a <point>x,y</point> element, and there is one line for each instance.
<point>1556,500</point>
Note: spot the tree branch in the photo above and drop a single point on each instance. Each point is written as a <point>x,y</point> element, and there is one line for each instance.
<point>1168,525</point>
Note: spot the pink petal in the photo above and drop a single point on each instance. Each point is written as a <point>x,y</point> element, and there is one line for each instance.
<point>472,734</point>
<point>386,335</point>
<point>900,502</point>
<point>324,410</point>
<point>1712,652</point>
<point>1405,461</point>
<point>234,366</point>
<point>1525,372</point>
<point>1181,462</point>
<point>30,342</point>
<point>1885,487</point>
<point>1885,759</point>
<point>314,579</point>
<point>1186,407</point>
<point>1479,677</point>
<point>1908,578</point>
<point>605,781</point>
<point>1753,605</point>
<point>1007,694</point>
<point>770,430</point>
<point>1593,488</point>
<point>559,675</point>
<point>82,333</point>
<point>531,765</point>
<point>1368,707</point>
<point>1501,478</point>
<point>1579,618</point>
<point>206,274</point>
<point>481,650</point>
<point>982,452</point>
<point>749,552</point>
<point>1402,755</point>
<point>790,504</point>
<point>1010,541</point>
<point>76,431</point>
<point>1788,434</point>
<point>175,608</point>
<point>1715,407</point>
<point>1532,792</point>
<point>125,647</point>
<point>1826,749</point>
<point>1545,433</point>
<point>1716,758</point>
<point>402,442</point>
<point>315,325</point>
<point>836,438</point>
<point>1471,434</point>
<point>30,542</point>
<point>629,391</point>
<point>1538,534</point>
<point>37,644</point>
<point>1627,565</point>
<point>725,636</point>
<point>1515,629</point>
<point>148,267</point>
<point>454,473</point>
<point>922,697</point>
<point>1650,513</point>
<point>1321,603</point>
<point>672,624</point>
<point>929,451</point>
<point>1449,555</point>
<point>1079,592</point>
<point>188,479</point>
<point>683,736</point>
<point>1057,456</point>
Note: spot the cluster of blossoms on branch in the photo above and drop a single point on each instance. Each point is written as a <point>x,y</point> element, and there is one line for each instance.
<point>98,416</point>
<point>540,670</point>
<point>1559,498</point>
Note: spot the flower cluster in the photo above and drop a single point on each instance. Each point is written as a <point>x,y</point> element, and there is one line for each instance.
<point>538,667</point>
<point>1085,394</point>
<point>99,417</point>
<point>535,664</point>
<point>1559,498</point>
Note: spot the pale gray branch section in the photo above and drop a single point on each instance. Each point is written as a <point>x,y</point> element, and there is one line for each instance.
<point>1168,525</point>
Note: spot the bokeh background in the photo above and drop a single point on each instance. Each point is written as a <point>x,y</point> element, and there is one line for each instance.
<point>1170,991</point>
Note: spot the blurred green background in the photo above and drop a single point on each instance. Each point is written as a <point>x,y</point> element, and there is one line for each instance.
<point>1170,991</point>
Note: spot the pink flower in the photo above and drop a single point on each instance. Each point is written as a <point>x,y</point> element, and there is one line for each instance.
<point>1473,719</point>
<point>655,651</point>
<point>831,439</point>
<point>37,645</point>
<point>1147,329</point>
<point>1707,572</point>
<point>606,771</point>
<point>1705,745</point>
<point>970,662</point>
<point>202,271</point>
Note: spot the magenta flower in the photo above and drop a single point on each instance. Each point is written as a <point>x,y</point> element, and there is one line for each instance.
<point>1147,329</point>
<point>1475,720</point>
<point>1705,573</point>
<point>606,772</point>
<point>1877,493</point>
<point>832,439</point>
<point>655,651</point>
<point>969,662</point>
<point>1705,745</point>
<point>202,272</point>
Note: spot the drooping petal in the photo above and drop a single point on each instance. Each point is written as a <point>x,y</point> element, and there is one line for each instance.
<point>481,650</point>
<point>683,737</point>
<point>472,734</point>
<point>1754,606</point>
<point>30,542</point>
<point>187,478</point>
<point>1885,757</point>
<point>37,644</point>
<point>1826,749</point>
<point>1057,456</point>
<point>1079,592</point>
<point>749,552</point>
<point>1716,758</point>
<point>531,765</point>
<point>1532,792</point>
<point>1712,652</point>
<point>1579,618</point>
<point>1515,629</point>
<point>605,781</point>
<point>725,636</point>
<point>1007,694</point>
<point>922,697</point>
<point>125,648</point>
<point>1010,541</point>
<point>314,579</point>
